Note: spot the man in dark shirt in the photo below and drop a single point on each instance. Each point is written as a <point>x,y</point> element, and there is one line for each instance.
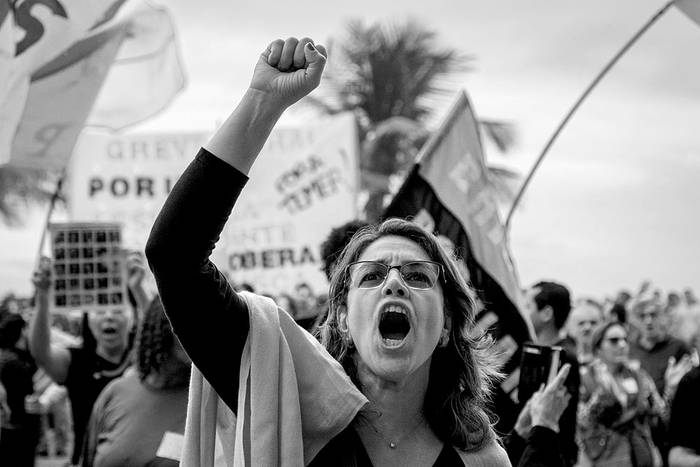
<point>683,437</point>
<point>548,305</point>
<point>655,346</point>
<point>658,353</point>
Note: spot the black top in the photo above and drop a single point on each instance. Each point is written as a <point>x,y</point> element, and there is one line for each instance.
<point>567,422</point>
<point>655,360</point>
<point>347,450</point>
<point>685,413</point>
<point>17,369</point>
<point>88,374</point>
<point>209,318</point>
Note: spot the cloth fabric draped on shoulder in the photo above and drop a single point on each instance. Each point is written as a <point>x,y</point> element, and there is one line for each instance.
<point>293,399</point>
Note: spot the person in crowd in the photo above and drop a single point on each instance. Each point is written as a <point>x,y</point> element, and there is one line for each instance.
<point>548,305</point>
<point>396,380</point>
<point>618,311</point>
<point>9,305</point>
<point>145,409</point>
<point>586,316</point>
<point>533,440</point>
<point>102,357</point>
<point>306,305</point>
<point>335,243</point>
<point>684,316</point>
<point>619,404</point>
<point>331,248</point>
<point>21,429</point>
<point>683,438</point>
<point>663,356</point>
<point>287,303</point>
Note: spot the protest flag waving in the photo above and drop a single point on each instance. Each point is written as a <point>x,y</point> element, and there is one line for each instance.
<point>56,60</point>
<point>447,192</point>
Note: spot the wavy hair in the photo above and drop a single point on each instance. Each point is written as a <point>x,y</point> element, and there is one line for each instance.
<point>155,342</point>
<point>461,374</point>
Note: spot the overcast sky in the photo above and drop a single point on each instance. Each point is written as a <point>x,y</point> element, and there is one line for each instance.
<point>615,202</point>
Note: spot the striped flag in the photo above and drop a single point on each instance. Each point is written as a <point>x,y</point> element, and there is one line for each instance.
<point>447,193</point>
<point>59,57</point>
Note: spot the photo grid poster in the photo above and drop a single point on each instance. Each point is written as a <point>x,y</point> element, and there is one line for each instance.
<point>88,266</point>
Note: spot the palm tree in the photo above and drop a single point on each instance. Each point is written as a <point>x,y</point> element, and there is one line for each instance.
<point>392,76</point>
<point>20,188</point>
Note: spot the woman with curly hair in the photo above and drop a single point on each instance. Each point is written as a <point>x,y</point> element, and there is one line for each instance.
<point>396,379</point>
<point>139,418</point>
<point>619,402</point>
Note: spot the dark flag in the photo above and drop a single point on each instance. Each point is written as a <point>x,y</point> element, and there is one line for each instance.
<point>447,193</point>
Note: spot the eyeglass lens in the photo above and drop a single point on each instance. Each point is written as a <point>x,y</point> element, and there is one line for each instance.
<point>416,274</point>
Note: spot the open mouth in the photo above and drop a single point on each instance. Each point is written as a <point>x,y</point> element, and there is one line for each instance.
<point>394,325</point>
<point>109,330</point>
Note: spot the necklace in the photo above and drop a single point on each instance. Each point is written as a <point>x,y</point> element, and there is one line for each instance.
<point>393,444</point>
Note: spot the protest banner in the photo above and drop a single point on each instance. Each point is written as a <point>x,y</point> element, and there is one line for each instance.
<point>303,184</point>
<point>125,179</point>
<point>446,192</point>
<point>56,60</point>
<point>88,267</point>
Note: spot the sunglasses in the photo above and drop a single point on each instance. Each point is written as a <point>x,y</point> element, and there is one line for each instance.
<point>419,275</point>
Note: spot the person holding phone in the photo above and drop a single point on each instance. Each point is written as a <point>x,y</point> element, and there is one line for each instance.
<point>548,305</point>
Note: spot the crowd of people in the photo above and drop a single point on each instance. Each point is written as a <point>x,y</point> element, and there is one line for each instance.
<point>384,369</point>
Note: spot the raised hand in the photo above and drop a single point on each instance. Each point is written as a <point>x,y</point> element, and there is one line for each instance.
<point>545,406</point>
<point>42,276</point>
<point>289,70</point>
<point>675,372</point>
<point>135,269</point>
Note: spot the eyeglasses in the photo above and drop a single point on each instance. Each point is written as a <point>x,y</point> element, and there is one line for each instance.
<point>419,275</point>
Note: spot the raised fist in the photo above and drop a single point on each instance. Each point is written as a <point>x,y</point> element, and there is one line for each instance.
<point>289,70</point>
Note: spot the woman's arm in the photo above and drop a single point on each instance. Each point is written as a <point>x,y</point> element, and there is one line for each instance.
<point>208,317</point>
<point>54,359</point>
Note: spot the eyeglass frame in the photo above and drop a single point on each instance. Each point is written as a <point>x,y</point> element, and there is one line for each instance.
<point>440,272</point>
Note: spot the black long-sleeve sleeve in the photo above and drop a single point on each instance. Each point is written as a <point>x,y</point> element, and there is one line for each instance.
<point>207,315</point>
<point>541,449</point>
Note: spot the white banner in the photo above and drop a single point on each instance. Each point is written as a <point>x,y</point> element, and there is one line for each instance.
<point>303,184</point>
<point>126,178</point>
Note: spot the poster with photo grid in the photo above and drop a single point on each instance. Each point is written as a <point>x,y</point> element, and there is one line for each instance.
<point>88,266</point>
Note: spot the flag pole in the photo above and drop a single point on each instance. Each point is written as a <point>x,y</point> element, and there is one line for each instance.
<point>578,103</point>
<point>52,204</point>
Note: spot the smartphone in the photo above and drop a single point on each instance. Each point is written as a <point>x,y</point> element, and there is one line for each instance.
<point>539,365</point>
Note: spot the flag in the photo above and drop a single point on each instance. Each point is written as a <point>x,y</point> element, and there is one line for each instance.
<point>691,8</point>
<point>62,64</point>
<point>447,192</point>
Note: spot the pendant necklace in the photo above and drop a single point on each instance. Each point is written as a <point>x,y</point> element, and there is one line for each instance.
<point>393,444</point>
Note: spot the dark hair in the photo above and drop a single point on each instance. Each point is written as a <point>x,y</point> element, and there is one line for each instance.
<point>337,239</point>
<point>557,296</point>
<point>11,326</point>
<point>156,339</point>
<point>599,333</point>
<point>461,374</point>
